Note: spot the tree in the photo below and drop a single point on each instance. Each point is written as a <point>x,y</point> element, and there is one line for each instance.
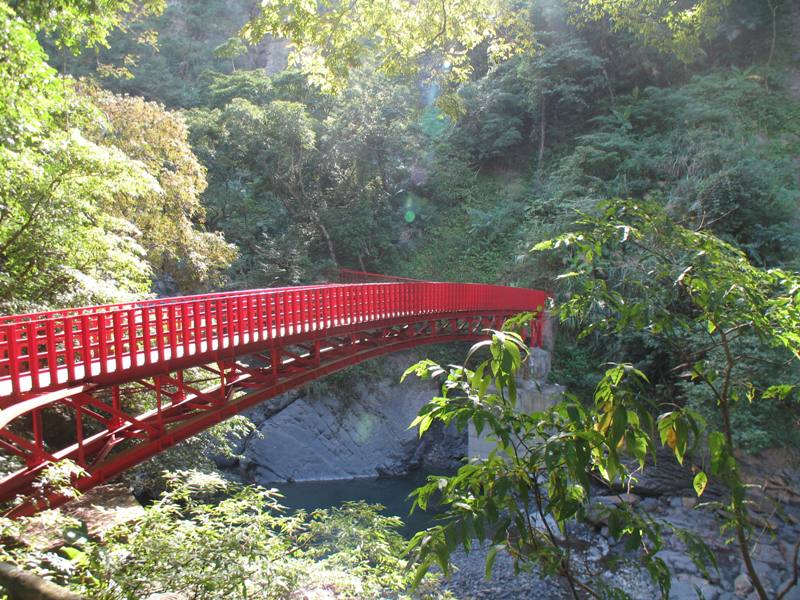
<point>75,24</point>
<point>724,296</point>
<point>435,37</point>
<point>564,77</point>
<point>89,214</point>
<point>679,284</point>
<point>183,257</point>
<point>261,161</point>
<point>717,149</point>
<point>303,181</point>
<point>441,38</point>
<point>677,28</point>
<point>216,540</point>
<point>56,245</point>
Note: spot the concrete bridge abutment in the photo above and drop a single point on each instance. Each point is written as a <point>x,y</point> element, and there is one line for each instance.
<point>534,392</point>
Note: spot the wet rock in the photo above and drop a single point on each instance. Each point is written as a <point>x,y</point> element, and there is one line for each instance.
<point>680,590</point>
<point>793,594</point>
<point>618,499</point>
<point>650,505</point>
<point>685,587</point>
<point>597,512</point>
<point>632,579</point>
<point>770,577</point>
<point>467,582</point>
<point>663,477</point>
<point>789,534</point>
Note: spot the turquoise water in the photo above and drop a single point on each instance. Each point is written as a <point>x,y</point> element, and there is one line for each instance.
<point>392,492</point>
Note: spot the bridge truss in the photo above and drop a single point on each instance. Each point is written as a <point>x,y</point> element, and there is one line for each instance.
<point>69,379</point>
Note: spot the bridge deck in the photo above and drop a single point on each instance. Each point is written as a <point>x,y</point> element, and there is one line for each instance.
<point>80,359</point>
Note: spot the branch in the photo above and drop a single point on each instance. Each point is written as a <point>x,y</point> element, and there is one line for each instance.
<point>740,510</point>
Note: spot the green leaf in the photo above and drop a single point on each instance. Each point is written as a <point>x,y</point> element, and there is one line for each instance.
<point>476,347</point>
<point>73,554</point>
<point>424,424</point>
<point>778,391</point>
<point>545,245</point>
<point>421,571</point>
<point>443,558</point>
<point>681,439</point>
<point>718,449</point>
<point>699,482</point>
<point>619,424</point>
<point>422,369</point>
<point>490,557</point>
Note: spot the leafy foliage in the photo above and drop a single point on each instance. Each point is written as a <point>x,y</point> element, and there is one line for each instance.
<point>668,26</point>
<point>536,479</point>
<point>58,247</point>
<point>330,39</point>
<point>714,148</point>
<point>150,479</point>
<point>680,282</point>
<point>77,24</point>
<point>90,215</point>
<point>457,139</point>
<point>213,539</point>
<point>183,258</point>
<point>164,55</point>
<point>53,240</point>
<point>332,169</point>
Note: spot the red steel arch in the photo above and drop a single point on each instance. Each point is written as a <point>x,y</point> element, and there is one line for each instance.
<point>253,344</point>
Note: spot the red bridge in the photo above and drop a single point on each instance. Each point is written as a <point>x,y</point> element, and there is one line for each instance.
<point>110,386</point>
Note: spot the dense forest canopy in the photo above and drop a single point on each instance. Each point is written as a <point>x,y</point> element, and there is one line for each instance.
<point>160,148</point>
<point>556,96</point>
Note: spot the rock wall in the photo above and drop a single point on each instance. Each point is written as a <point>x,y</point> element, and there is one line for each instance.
<point>361,431</point>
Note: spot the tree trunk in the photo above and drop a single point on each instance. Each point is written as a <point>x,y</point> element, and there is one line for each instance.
<point>542,133</point>
<point>21,585</point>
<point>324,231</point>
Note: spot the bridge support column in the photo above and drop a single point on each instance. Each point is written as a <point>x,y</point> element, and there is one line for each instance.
<point>530,399</point>
<point>534,393</point>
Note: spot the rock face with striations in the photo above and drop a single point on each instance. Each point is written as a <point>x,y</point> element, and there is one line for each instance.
<point>361,432</point>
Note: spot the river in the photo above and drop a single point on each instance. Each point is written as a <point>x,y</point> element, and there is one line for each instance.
<point>391,492</point>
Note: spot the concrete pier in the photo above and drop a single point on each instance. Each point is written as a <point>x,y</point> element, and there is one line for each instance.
<point>534,394</point>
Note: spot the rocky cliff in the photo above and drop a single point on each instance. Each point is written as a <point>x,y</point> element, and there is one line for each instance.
<point>342,432</point>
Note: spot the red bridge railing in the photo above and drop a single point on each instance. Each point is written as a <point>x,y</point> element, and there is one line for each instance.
<point>42,352</point>
<point>65,375</point>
